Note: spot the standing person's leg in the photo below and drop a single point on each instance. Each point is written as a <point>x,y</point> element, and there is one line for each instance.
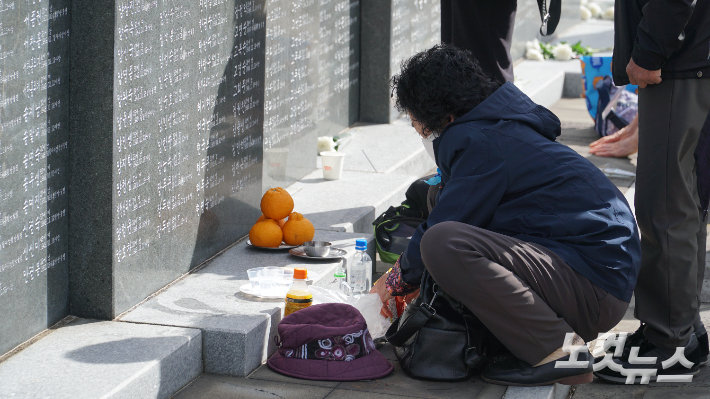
<point>667,209</point>
<point>526,295</point>
<point>485,28</point>
<point>446,16</point>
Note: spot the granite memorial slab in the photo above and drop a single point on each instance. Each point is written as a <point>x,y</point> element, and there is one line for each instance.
<point>34,44</point>
<point>167,114</point>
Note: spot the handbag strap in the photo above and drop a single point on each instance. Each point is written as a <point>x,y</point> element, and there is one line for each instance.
<point>398,334</point>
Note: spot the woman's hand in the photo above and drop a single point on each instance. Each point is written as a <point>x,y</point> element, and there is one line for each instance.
<point>410,297</point>
<point>381,289</point>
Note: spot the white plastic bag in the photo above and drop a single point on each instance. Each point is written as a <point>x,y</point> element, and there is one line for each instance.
<point>369,306</point>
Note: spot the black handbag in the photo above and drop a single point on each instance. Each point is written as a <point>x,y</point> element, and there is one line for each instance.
<point>438,338</point>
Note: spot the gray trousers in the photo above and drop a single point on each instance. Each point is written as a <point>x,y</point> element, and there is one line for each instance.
<point>668,210</point>
<point>526,295</point>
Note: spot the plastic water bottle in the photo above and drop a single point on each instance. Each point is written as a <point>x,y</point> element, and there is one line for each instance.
<point>341,278</point>
<point>361,269</point>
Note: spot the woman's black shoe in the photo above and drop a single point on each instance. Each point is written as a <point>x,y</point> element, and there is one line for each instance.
<point>513,371</point>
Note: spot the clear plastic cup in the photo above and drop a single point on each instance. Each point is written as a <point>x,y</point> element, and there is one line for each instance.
<point>282,287</point>
<point>255,279</point>
<point>269,278</point>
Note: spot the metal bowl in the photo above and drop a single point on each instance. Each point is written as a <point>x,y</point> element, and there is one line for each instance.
<point>316,249</point>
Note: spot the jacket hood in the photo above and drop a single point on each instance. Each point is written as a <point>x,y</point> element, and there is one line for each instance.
<point>509,103</point>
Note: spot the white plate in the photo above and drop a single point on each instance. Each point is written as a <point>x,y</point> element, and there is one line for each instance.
<point>280,247</point>
<point>246,288</point>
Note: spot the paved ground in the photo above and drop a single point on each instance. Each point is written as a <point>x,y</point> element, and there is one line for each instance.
<point>577,132</point>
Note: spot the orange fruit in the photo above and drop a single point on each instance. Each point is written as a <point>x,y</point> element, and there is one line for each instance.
<point>279,222</point>
<point>276,203</point>
<point>298,229</point>
<point>266,233</point>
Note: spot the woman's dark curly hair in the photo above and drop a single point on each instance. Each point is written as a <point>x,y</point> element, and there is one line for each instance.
<point>438,82</point>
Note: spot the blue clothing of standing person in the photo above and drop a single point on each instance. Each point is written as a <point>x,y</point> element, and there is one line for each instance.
<point>526,233</point>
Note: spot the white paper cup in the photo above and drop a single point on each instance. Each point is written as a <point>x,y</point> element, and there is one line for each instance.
<point>332,164</point>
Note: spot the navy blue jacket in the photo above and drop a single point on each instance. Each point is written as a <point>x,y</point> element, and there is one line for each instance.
<point>503,171</point>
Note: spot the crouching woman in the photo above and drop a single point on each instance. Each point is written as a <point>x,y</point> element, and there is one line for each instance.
<point>526,233</point>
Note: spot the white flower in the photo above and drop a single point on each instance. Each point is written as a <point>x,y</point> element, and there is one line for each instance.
<point>584,13</point>
<point>595,9</point>
<point>584,2</point>
<point>562,52</point>
<point>609,13</point>
<point>534,54</point>
<point>325,143</point>
<point>533,44</point>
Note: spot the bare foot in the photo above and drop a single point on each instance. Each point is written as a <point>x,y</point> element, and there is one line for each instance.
<point>620,144</point>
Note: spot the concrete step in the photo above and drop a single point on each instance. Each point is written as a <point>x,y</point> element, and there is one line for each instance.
<point>546,81</point>
<point>103,359</point>
<point>390,149</point>
<point>350,204</point>
<point>237,328</point>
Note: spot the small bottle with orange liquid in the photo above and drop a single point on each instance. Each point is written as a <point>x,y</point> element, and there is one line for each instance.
<point>299,296</point>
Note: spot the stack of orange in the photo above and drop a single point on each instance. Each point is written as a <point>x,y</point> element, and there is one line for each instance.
<point>272,227</point>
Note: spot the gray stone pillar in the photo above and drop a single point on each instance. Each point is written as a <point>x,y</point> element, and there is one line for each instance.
<point>34,173</point>
<point>392,31</point>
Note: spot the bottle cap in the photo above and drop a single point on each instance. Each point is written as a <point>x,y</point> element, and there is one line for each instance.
<point>300,273</point>
<point>360,243</point>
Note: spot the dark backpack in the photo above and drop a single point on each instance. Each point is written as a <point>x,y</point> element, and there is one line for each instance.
<point>395,226</point>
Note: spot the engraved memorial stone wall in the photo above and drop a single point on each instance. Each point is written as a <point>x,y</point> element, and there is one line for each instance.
<point>174,141</point>
<point>34,43</point>
<point>392,31</point>
<point>312,81</point>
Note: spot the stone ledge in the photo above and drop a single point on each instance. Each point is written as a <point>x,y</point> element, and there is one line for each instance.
<point>237,328</point>
<point>350,204</point>
<point>97,359</point>
<point>544,81</point>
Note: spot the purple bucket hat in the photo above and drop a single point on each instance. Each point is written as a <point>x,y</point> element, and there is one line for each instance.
<point>328,342</point>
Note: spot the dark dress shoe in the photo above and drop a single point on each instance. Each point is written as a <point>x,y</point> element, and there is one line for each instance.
<point>692,354</point>
<point>512,371</point>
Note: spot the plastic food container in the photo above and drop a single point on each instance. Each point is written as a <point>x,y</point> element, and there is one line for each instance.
<point>269,281</point>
